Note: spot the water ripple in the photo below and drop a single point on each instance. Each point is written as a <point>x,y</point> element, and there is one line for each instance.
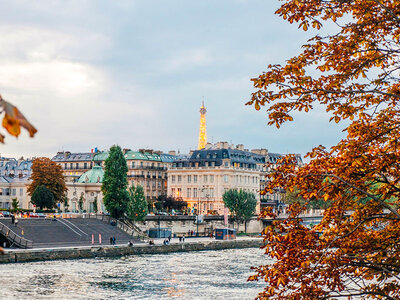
<point>190,275</point>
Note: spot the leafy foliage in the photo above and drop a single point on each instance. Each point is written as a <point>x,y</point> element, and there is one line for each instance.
<point>15,204</point>
<point>291,197</point>
<point>66,203</point>
<point>95,205</point>
<point>169,203</point>
<point>137,210</point>
<point>48,173</point>
<point>115,183</point>
<point>13,120</point>
<point>80,203</point>
<point>42,197</point>
<point>354,74</point>
<point>241,204</point>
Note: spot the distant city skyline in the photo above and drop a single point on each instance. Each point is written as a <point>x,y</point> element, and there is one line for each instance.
<point>97,73</point>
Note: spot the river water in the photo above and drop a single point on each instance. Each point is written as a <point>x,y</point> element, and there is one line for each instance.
<point>190,275</point>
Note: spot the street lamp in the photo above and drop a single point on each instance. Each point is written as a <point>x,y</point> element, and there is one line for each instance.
<point>198,210</point>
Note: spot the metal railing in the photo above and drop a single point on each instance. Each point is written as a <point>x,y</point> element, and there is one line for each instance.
<point>14,238</point>
<point>130,228</point>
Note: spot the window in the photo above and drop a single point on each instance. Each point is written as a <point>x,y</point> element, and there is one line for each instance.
<point>225,178</point>
<point>85,165</point>
<point>14,192</point>
<point>65,166</point>
<point>211,193</point>
<point>188,193</point>
<point>226,164</point>
<point>194,192</point>
<point>178,192</point>
<point>173,192</point>
<point>21,191</point>
<point>133,164</point>
<point>205,178</point>
<point>211,178</point>
<point>173,178</point>
<point>189,178</point>
<point>179,178</point>
<point>77,165</point>
<point>195,178</point>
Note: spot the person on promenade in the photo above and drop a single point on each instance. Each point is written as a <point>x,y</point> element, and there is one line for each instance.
<point>114,240</point>
<point>183,238</point>
<point>130,244</point>
<point>169,239</point>
<point>111,240</point>
<point>12,219</point>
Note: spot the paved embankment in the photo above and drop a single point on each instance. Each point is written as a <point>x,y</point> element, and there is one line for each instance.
<point>12,256</point>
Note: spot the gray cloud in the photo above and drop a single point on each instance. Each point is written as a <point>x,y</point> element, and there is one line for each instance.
<point>96,73</point>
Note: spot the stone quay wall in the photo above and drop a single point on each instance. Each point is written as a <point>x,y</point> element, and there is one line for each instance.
<point>114,251</point>
<point>183,224</point>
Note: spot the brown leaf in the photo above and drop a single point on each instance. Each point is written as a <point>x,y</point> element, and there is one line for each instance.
<point>14,119</point>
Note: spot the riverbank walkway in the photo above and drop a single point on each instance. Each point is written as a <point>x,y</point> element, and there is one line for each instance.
<point>52,233</point>
<point>79,252</point>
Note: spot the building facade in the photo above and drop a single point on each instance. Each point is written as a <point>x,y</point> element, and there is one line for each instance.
<point>147,168</point>
<point>14,181</point>
<point>202,179</point>
<point>74,164</point>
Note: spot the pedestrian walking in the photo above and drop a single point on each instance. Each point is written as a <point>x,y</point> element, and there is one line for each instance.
<point>183,238</point>
<point>114,240</point>
<point>111,240</point>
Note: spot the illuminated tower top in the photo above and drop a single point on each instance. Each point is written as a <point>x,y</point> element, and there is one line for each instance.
<point>203,129</point>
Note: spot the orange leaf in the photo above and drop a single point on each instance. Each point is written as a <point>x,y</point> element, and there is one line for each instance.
<point>14,119</point>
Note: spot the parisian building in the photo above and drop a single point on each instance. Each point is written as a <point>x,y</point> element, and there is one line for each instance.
<point>203,178</point>
<point>14,181</point>
<point>146,167</point>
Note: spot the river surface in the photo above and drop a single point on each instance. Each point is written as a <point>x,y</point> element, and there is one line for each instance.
<point>190,275</point>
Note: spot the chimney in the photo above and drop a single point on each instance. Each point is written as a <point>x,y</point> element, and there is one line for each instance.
<point>240,147</point>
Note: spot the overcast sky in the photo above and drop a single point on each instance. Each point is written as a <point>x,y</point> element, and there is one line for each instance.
<point>96,73</point>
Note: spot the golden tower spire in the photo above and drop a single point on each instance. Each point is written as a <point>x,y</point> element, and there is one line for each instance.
<point>203,129</point>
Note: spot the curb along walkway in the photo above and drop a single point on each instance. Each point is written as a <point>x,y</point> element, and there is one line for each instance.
<point>191,244</point>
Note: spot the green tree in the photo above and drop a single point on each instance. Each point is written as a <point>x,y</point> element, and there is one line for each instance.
<point>290,197</point>
<point>42,197</point>
<point>241,204</point>
<point>95,204</point>
<point>66,203</point>
<point>80,203</point>
<point>15,204</point>
<point>115,183</point>
<point>137,209</point>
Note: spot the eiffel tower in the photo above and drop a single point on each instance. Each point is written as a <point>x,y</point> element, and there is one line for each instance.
<point>203,129</point>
